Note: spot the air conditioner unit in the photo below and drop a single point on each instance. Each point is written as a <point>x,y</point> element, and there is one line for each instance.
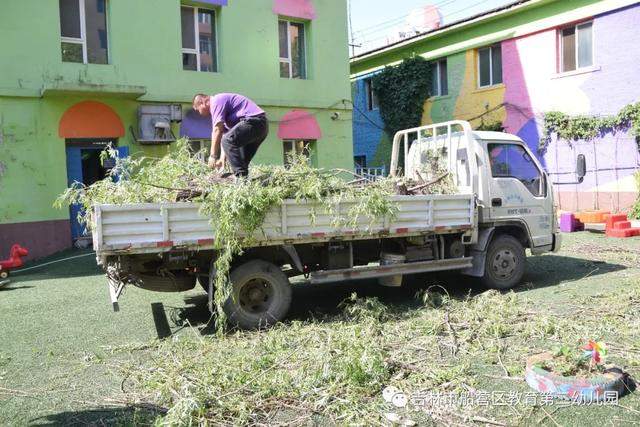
<point>154,123</point>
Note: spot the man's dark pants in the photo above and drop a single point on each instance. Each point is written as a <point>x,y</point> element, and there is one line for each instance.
<point>242,141</point>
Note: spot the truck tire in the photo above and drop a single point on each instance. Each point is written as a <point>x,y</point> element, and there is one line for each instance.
<point>261,295</point>
<point>505,263</point>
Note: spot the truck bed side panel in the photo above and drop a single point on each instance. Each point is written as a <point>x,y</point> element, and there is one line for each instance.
<point>144,228</point>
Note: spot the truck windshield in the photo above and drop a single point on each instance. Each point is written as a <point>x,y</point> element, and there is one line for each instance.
<point>512,161</point>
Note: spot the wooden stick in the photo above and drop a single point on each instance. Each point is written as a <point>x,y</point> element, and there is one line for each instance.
<point>421,186</point>
<point>452,332</point>
<point>162,186</point>
<point>357,175</point>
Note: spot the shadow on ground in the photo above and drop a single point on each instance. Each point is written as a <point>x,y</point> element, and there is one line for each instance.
<point>98,417</point>
<point>12,287</point>
<point>317,301</point>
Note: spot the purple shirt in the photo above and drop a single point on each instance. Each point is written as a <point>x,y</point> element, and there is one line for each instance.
<point>229,108</point>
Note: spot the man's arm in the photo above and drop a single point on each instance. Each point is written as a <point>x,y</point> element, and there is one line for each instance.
<point>216,137</point>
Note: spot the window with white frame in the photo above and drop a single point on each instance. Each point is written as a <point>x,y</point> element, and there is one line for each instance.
<point>490,66</point>
<point>439,81</point>
<point>372,98</point>
<point>83,31</point>
<point>297,148</point>
<point>292,50</point>
<point>576,47</point>
<point>199,51</point>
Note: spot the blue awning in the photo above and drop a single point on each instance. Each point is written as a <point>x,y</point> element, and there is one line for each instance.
<point>214,2</point>
<point>195,126</point>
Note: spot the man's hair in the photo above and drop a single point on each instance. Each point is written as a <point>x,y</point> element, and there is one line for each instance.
<point>196,99</point>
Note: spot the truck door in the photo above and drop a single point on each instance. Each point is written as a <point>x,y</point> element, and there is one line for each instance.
<point>519,191</point>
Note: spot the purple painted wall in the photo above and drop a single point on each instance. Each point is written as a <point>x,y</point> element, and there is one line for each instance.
<point>533,86</point>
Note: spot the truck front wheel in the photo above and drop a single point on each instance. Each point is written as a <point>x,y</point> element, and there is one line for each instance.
<point>504,264</point>
<point>261,295</point>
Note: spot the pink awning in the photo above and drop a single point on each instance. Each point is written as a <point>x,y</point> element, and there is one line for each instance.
<point>299,124</point>
<point>302,9</point>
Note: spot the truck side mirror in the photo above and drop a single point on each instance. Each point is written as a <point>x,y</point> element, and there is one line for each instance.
<point>581,167</point>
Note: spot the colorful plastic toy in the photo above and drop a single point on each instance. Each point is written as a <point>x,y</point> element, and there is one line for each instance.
<point>619,226</point>
<point>14,261</point>
<point>569,223</point>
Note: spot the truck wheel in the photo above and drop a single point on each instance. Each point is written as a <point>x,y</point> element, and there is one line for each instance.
<point>504,263</point>
<point>261,295</point>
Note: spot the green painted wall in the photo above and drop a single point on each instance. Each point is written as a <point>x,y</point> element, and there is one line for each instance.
<point>36,87</point>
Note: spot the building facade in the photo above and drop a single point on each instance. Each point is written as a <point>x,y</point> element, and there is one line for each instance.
<point>508,67</point>
<point>85,73</point>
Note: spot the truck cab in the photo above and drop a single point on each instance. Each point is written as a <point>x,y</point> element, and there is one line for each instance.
<point>514,196</point>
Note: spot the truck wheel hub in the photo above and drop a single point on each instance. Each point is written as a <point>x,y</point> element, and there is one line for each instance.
<point>504,263</point>
<point>255,295</point>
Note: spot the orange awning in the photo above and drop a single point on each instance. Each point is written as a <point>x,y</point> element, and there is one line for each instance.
<point>90,119</point>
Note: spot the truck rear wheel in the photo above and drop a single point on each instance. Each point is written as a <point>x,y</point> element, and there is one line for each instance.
<point>261,295</point>
<point>504,264</point>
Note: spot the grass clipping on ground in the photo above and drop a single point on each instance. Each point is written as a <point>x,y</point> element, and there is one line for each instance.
<point>238,209</point>
<point>332,370</point>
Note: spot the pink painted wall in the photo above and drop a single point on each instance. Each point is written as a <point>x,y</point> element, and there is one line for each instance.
<point>533,87</point>
<point>302,9</point>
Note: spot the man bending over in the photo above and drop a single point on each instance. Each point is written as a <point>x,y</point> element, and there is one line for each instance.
<point>239,125</point>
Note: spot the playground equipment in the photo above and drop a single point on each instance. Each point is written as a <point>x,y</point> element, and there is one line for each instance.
<point>14,261</point>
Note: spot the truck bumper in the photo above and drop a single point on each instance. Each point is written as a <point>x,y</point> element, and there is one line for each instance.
<point>557,242</point>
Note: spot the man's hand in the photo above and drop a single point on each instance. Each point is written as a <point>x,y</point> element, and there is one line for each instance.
<point>212,163</point>
<point>217,164</point>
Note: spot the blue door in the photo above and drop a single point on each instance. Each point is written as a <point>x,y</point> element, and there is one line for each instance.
<point>84,167</point>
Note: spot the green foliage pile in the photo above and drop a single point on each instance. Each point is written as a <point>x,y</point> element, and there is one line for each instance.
<point>569,361</point>
<point>434,170</point>
<point>332,368</point>
<point>402,91</point>
<point>587,128</point>
<point>490,126</point>
<point>237,209</point>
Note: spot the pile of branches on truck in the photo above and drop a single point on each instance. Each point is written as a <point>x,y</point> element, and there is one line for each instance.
<point>237,207</point>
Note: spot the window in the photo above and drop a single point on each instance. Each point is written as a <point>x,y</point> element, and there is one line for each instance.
<point>439,82</point>
<point>372,98</point>
<point>83,31</point>
<point>512,161</point>
<point>490,66</point>
<point>198,39</point>
<point>576,47</point>
<point>360,161</point>
<point>292,50</point>
<point>297,148</point>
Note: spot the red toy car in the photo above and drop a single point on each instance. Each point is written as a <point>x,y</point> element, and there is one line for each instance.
<point>14,261</point>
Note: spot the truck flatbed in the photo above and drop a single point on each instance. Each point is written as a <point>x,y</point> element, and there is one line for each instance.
<point>156,228</point>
